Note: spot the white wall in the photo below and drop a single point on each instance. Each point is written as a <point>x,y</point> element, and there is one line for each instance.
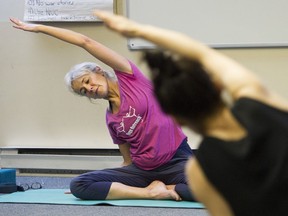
<point>38,111</point>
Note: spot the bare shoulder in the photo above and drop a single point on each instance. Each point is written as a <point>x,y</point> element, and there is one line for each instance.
<point>204,191</point>
<point>265,95</point>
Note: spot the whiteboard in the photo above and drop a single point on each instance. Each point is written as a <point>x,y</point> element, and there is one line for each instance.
<point>64,10</point>
<point>218,23</point>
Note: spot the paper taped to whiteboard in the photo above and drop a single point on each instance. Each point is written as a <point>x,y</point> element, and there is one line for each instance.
<point>64,10</point>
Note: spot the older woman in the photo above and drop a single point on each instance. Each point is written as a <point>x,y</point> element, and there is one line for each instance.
<point>153,146</point>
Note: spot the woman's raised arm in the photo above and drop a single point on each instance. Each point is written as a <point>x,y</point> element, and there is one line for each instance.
<point>229,74</point>
<point>96,49</point>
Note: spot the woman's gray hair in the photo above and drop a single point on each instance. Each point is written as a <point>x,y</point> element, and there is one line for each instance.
<point>82,69</point>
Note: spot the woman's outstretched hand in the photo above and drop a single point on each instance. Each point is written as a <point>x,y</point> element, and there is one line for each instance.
<point>119,24</point>
<point>24,26</point>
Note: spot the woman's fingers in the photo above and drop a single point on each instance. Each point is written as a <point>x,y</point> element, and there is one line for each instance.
<point>17,23</point>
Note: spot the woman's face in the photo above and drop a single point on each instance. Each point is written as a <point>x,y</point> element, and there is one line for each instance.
<point>91,85</point>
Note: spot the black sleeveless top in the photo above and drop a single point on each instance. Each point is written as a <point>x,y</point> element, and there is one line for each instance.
<point>251,173</point>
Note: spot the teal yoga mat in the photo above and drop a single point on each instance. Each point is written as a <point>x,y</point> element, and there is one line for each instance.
<point>57,196</point>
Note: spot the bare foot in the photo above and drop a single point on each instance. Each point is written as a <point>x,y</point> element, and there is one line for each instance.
<point>158,190</point>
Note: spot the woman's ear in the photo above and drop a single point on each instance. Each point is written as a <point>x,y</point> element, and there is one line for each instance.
<point>99,70</point>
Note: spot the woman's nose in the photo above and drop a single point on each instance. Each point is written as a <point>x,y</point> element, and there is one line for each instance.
<point>88,87</point>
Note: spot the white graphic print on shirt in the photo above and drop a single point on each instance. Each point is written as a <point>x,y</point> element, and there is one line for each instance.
<point>127,129</point>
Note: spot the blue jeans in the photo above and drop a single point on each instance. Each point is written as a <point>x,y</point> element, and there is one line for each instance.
<point>95,185</point>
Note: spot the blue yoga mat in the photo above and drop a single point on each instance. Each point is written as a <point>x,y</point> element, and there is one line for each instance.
<point>58,196</point>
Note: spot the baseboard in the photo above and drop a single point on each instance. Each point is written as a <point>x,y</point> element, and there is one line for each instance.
<point>60,161</point>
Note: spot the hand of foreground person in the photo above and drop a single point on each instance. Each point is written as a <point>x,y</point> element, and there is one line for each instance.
<point>119,23</point>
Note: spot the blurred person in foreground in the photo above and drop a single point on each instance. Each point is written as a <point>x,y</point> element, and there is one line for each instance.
<point>241,166</point>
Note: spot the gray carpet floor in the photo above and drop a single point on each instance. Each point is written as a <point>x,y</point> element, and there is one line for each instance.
<point>73,210</point>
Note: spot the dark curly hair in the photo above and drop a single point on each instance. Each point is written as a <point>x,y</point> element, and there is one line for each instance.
<point>182,86</point>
